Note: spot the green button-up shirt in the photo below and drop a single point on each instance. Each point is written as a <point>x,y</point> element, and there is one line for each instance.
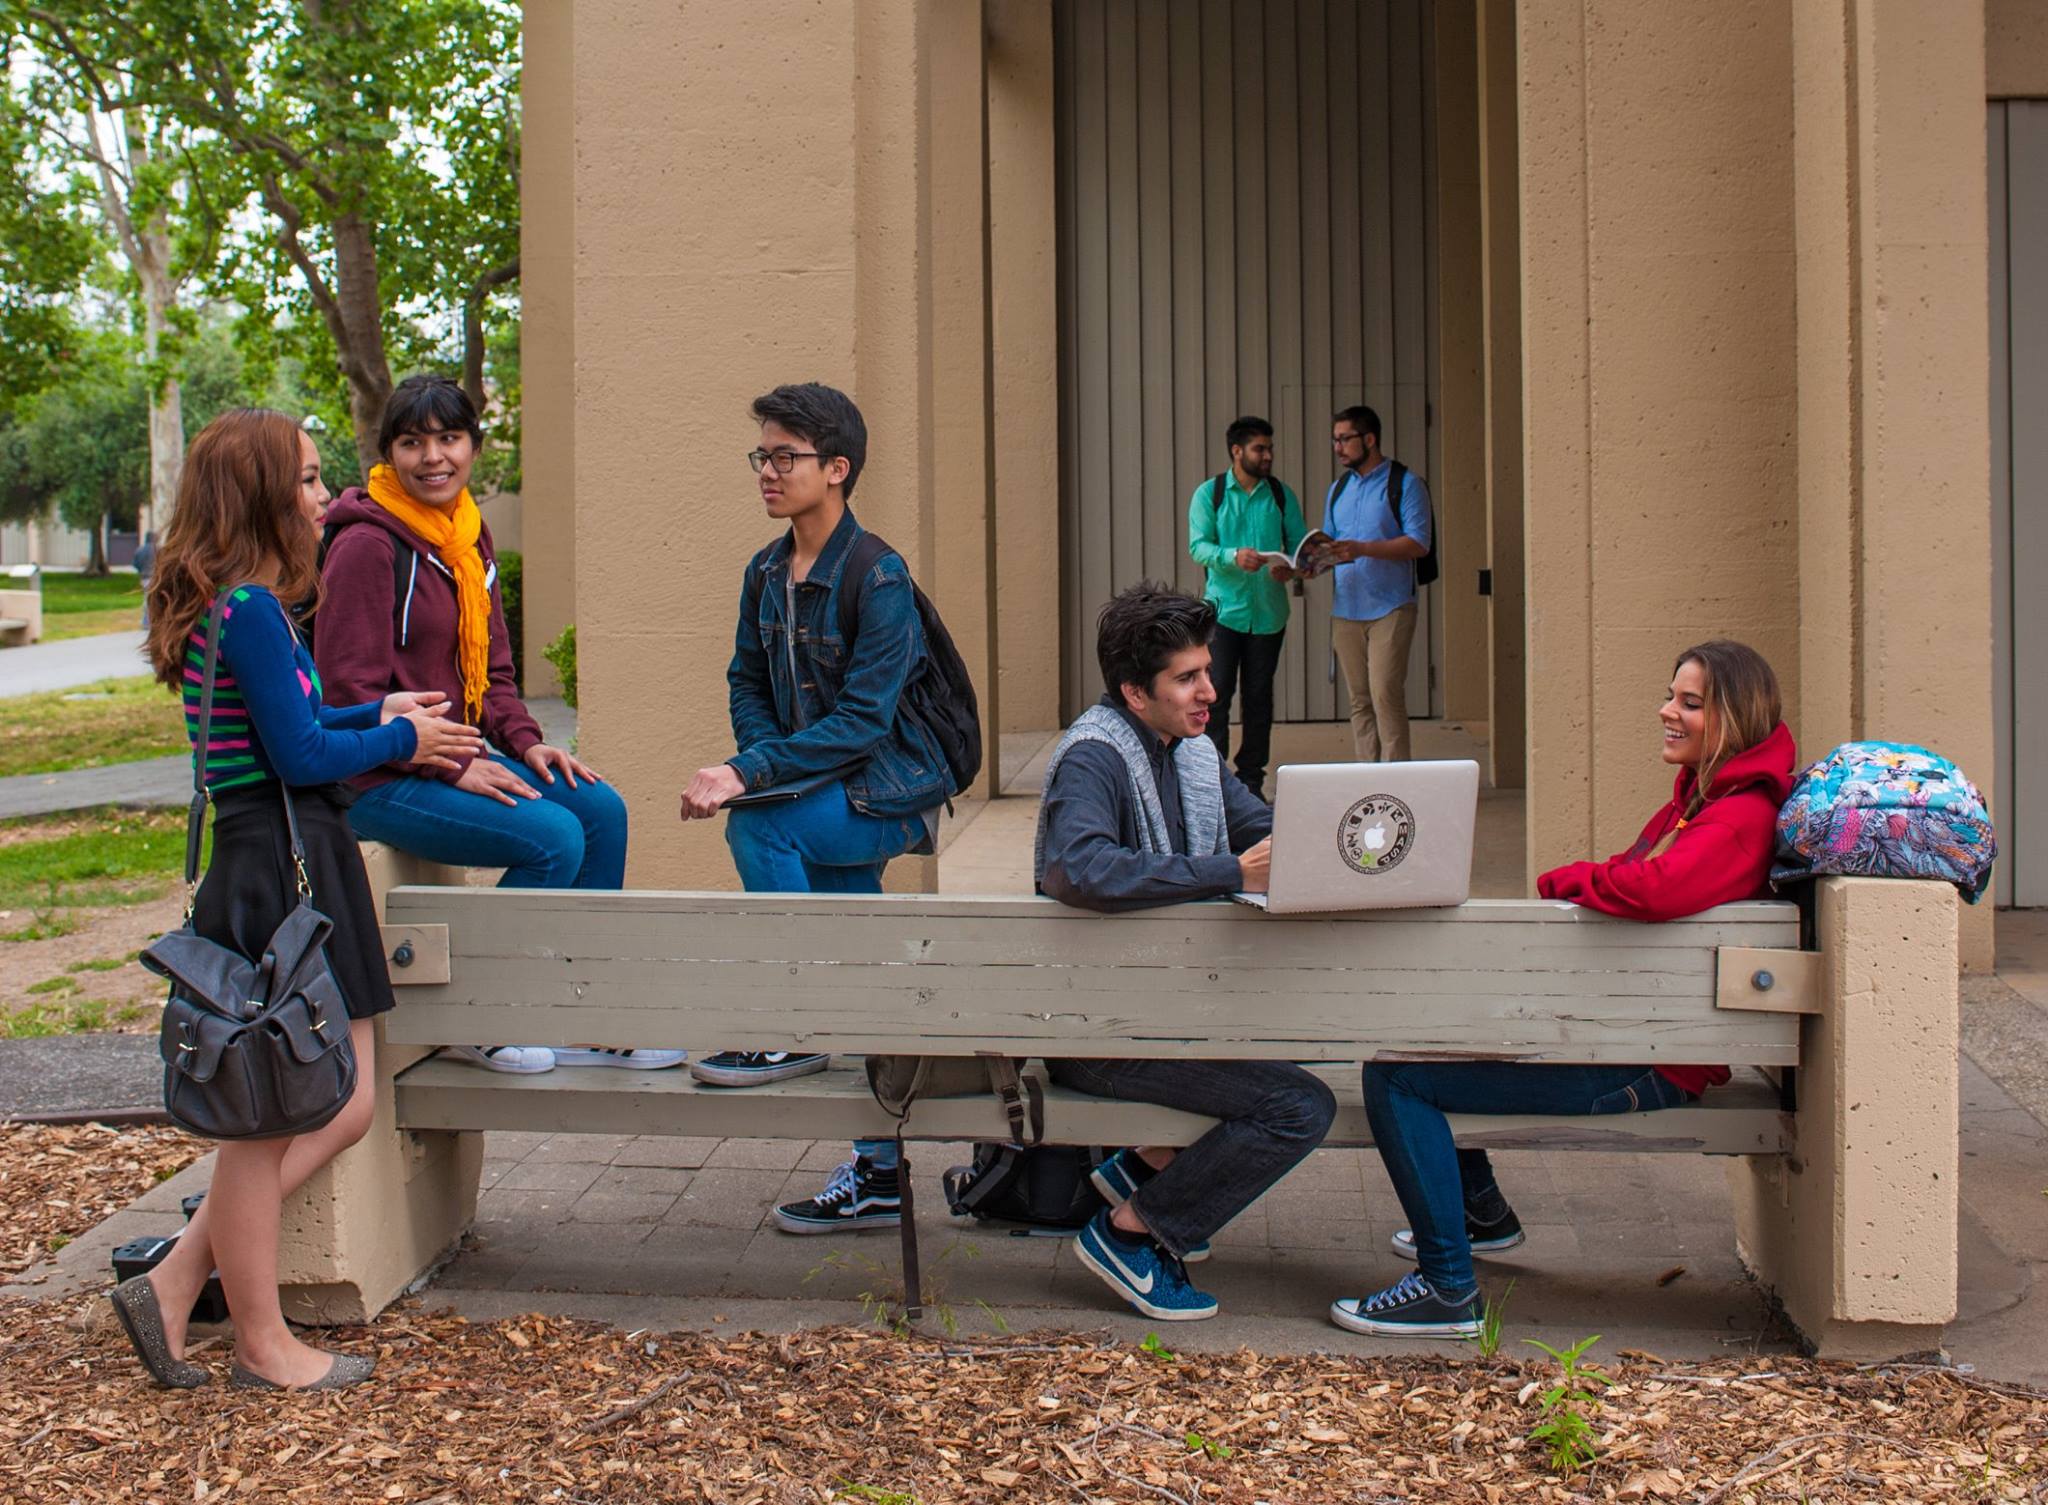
<point>1246,601</point>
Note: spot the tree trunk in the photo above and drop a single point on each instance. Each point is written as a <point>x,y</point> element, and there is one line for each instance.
<point>357,323</point>
<point>96,561</point>
<point>166,397</point>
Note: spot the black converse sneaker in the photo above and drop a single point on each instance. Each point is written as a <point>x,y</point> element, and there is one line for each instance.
<point>1409,1308</point>
<point>859,1195</point>
<point>751,1068</point>
<point>1504,1232</point>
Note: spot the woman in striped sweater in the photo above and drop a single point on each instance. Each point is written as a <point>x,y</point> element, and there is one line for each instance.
<point>247,524</point>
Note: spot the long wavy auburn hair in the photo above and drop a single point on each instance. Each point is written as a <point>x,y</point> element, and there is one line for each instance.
<point>237,519</point>
<point>1742,708</point>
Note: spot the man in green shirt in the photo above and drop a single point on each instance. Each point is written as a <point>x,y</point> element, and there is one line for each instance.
<point>1232,519</point>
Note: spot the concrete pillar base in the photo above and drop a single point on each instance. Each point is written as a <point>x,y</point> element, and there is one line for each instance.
<point>1854,1235</point>
<point>369,1223</point>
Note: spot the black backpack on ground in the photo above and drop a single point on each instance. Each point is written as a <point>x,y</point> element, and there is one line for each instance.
<point>1046,1186</point>
<point>941,700</point>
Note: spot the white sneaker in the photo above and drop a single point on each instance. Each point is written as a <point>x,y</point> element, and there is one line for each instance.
<point>525,1060</point>
<point>629,1057</point>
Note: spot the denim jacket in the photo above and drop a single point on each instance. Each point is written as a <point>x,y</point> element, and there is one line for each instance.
<point>832,710</point>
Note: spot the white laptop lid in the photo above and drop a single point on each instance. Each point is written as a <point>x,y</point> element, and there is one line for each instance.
<point>1372,835</point>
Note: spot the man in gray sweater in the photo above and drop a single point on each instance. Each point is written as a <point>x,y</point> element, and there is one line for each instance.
<point>1138,810</point>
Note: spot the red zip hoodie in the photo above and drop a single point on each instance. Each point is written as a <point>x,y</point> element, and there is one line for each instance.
<point>387,622</point>
<point>1721,855</point>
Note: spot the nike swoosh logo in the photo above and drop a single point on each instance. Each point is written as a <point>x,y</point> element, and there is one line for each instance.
<point>1142,1287</point>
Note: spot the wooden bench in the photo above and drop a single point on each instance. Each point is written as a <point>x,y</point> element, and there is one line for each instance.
<point>1507,980</point>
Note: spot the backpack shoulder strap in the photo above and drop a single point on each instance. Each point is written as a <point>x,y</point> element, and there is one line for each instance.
<point>1397,483</point>
<point>866,552</point>
<point>1216,491</point>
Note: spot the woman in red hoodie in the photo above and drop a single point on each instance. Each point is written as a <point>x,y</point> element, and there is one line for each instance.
<point>1710,845</point>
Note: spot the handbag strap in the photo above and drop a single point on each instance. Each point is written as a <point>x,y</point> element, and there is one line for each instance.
<point>195,821</point>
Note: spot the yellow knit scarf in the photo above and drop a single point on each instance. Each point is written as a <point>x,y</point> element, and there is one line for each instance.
<point>452,534</point>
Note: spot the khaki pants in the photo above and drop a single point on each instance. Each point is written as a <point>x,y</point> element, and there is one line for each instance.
<point>1375,659</point>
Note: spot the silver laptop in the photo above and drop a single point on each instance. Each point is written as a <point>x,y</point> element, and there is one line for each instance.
<point>1370,836</point>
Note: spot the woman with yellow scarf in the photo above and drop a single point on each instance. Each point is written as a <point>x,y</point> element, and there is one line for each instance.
<point>410,601</point>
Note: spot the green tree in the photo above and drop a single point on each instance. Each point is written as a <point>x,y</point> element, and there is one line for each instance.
<point>47,244</point>
<point>379,138</point>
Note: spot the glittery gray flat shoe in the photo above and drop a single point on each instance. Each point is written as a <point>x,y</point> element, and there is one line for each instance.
<point>142,1319</point>
<point>347,1369</point>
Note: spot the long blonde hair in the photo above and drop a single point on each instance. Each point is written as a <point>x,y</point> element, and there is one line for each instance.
<point>1743,707</point>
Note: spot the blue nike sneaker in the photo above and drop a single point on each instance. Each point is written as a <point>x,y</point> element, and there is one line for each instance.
<point>1119,1177</point>
<point>1151,1280</point>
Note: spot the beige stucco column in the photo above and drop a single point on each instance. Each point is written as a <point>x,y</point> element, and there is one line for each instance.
<point>758,188</point>
<point>1024,320</point>
<point>547,331</point>
<point>1893,413</point>
<point>1501,309</point>
<point>1459,486</point>
<point>1658,382</point>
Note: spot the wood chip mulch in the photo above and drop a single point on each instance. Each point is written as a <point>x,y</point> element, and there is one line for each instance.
<point>58,1182</point>
<point>544,1409</point>
<point>552,1410</point>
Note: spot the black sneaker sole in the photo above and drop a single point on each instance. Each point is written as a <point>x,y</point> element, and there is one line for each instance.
<point>1379,1327</point>
<point>755,1076</point>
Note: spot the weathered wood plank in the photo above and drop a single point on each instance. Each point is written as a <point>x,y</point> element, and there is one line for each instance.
<point>1519,981</point>
<point>1740,1119</point>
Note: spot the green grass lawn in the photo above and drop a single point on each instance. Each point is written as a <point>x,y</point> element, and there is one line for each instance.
<point>90,726</point>
<point>50,863</point>
<point>78,606</point>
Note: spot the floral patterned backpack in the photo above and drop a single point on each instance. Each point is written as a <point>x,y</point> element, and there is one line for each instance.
<point>1887,810</point>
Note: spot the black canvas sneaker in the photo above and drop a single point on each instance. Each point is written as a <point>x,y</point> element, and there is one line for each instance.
<point>859,1195</point>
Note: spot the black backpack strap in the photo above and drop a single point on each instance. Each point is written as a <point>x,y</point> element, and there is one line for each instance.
<point>913,1281</point>
<point>1397,482</point>
<point>1216,492</point>
<point>866,553</point>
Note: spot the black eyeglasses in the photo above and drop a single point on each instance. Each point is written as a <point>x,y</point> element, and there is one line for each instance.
<point>784,460</point>
<point>1338,441</point>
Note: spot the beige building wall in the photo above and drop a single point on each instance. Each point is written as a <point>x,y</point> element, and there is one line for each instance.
<point>1659,383</point>
<point>1024,319</point>
<point>745,216</point>
<point>1459,487</point>
<point>547,331</point>
<point>2015,49</point>
<point>1501,307</point>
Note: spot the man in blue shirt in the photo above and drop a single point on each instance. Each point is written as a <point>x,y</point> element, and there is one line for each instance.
<point>1378,541</point>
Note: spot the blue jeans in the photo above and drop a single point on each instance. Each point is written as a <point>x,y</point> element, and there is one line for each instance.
<point>1406,1103</point>
<point>568,838</point>
<point>818,843</point>
<point>1272,1116</point>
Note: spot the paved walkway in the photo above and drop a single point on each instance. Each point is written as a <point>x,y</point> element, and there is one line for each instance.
<point>159,782</point>
<point>75,661</point>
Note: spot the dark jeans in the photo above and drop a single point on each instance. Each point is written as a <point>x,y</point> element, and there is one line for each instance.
<point>568,838</point>
<point>1273,1115</point>
<point>1252,657</point>
<point>1406,1103</point>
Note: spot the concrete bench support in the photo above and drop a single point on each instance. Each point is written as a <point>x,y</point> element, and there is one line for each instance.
<point>1855,1232</point>
<point>21,617</point>
<point>365,1226</point>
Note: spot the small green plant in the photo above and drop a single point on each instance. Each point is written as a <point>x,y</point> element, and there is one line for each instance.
<point>1491,1313</point>
<point>1564,1430</point>
<point>1153,1348</point>
<point>1206,1446</point>
<point>58,1241</point>
<point>53,985</point>
<point>871,1493</point>
<point>562,654</point>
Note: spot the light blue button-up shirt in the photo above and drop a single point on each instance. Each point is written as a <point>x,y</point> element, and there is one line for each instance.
<point>1367,589</point>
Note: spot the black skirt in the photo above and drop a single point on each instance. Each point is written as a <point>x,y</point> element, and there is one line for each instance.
<point>249,887</point>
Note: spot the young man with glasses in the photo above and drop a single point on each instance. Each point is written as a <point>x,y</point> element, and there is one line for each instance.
<point>814,713</point>
<point>1232,519</point>
<point>1378,540</point>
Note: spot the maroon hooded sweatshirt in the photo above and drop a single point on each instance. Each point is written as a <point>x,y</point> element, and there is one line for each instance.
<point>387,622</point>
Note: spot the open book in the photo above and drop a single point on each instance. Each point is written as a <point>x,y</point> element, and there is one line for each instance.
<point>1310,558</point>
